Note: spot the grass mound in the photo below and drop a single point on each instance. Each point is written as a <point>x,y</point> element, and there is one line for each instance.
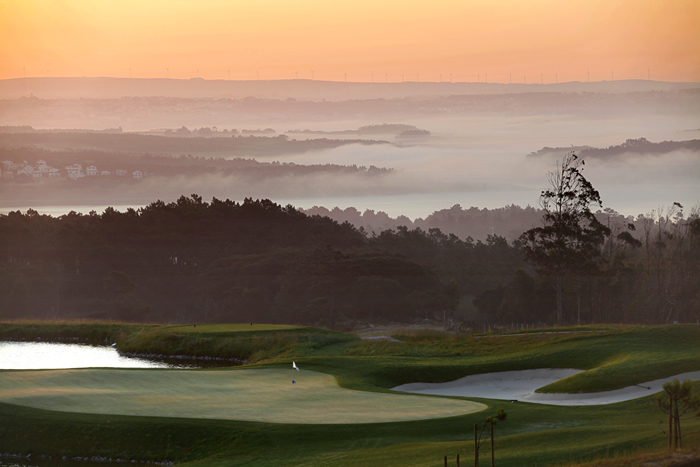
<point>614,357</point>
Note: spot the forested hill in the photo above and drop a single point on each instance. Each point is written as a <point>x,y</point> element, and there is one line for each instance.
<point>637,147</point>
<point>478,223</point>
<point>168,166</point>
<point>224,261</point>
<point>132,143</point>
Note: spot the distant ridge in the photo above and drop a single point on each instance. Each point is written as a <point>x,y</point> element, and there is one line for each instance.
<point>639,146</point>
<point>114,88</point>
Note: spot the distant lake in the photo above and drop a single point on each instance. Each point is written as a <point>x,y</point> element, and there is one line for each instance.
<point>46,356</point>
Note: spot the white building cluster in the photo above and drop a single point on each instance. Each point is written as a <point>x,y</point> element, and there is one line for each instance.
<point>10,170</point>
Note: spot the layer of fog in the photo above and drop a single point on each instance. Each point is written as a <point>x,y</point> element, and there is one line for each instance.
<point>481,162</point>
<point>471,160</point>
<point>428,179</point>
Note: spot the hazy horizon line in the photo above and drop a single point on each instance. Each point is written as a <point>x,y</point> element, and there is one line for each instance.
<point>341,81</point>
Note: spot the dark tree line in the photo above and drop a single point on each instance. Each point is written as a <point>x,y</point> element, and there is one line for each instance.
<point>225,261</point>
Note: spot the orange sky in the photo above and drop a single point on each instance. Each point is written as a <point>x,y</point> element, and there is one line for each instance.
<point>278,38</point>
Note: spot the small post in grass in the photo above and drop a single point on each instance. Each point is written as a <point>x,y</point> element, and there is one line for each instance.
<point>490,422</point>
<point>476,446</point>
<point>445,461</point>
<point>493,461</point>
<point>457,460</point>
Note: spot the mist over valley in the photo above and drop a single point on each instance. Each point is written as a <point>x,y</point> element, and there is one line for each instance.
<point>407,154</point>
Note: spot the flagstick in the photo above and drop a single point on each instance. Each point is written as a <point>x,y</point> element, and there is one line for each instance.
<point>294,367</point>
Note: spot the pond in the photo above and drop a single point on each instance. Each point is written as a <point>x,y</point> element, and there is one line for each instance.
<point>49,356</point>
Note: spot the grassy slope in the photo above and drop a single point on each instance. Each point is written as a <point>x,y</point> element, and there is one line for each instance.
<point>615,358</point>
<point>532,435</point>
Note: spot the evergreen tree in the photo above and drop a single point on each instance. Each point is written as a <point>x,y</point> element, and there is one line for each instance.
<point>569,243</point>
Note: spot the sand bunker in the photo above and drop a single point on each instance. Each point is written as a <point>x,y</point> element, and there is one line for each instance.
<point>263,395</point>
<point>521,386</point>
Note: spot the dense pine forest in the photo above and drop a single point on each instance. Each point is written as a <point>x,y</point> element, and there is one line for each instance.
<point>224,261</point>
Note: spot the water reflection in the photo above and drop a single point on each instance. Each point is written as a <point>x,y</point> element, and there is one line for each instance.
<point>47,356</point>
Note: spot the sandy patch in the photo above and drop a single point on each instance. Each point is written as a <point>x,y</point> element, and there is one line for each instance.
<point>501,385</point>
<point>521,386</point>
<point>264,395</point>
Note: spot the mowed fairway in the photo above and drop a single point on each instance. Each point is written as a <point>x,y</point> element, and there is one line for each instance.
<point>263,395</point>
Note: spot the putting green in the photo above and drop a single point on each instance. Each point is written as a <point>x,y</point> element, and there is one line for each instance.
<point>263,395</point>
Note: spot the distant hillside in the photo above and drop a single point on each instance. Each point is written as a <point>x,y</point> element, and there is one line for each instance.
<point>146,113</point>
<point>640,146</point>
<point>232,146</point>
<point>159,165</point>
<point>508,222</point>
<point>380,129</point>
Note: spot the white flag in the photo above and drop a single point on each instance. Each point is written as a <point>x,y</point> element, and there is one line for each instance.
<point>294,365</point>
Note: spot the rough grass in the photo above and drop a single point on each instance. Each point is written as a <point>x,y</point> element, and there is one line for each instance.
<point>228,329</point>
<point>264,395</point>
<point>67,330</point>
<point>644,458</point>
<point>243,342</point>
<point>532,435</point>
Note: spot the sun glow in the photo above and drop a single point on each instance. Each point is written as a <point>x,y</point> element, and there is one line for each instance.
<point>265,39</point>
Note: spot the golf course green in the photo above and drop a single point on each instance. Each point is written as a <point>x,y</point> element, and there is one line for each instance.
<point>341,411</point>
<point>262,395</point>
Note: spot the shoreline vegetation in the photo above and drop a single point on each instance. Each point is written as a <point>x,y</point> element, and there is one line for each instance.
<point>613,355</point>
<point>238,343</point>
